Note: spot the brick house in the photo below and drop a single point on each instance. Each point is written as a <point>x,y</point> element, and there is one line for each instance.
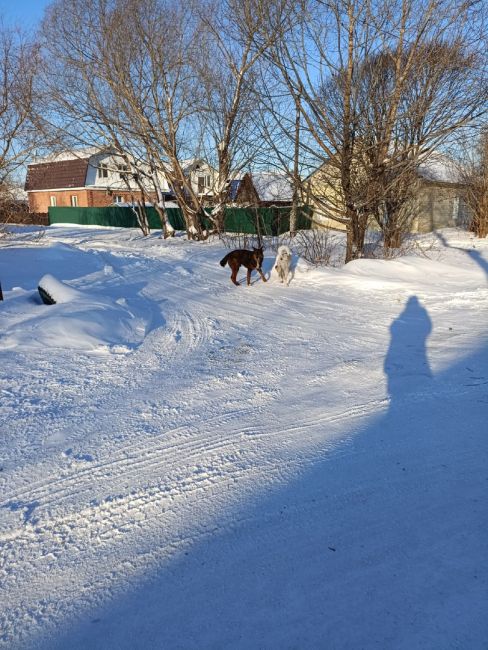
<point>96,178</point>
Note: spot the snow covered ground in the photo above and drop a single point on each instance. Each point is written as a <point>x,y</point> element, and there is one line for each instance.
<point>189,464</point>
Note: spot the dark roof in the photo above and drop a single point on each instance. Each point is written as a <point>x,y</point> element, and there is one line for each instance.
<point>57,175</point>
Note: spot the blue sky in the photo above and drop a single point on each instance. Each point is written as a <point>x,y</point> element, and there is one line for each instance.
<point>25,13</point>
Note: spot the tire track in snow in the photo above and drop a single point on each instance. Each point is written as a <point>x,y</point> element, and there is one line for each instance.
<point>136,458</point>
<point>140,459</point>
<point>178,455</point>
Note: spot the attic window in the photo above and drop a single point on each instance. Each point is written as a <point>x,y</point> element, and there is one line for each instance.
<point>103,170</point>
<point>122,169</point>
<point>203,183</point>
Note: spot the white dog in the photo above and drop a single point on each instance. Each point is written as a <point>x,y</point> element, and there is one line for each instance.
<point>282,263</point>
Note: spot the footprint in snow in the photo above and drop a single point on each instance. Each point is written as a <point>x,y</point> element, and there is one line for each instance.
<point>182,271</point>
<point>87,458</point>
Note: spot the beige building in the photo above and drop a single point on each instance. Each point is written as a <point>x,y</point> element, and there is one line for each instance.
<point>439,203</point>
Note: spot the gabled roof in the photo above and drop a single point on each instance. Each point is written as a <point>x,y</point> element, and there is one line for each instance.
<point>56,175</point>
<point>272,186</point>
<point>265,187</point>
<point>194,164</point>
<point>435,167</point>
<point>72,154</point>
<point>439,168</point>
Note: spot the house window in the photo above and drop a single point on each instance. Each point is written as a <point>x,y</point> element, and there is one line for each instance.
<point>118,198</point>
<point>204,183</point>
<point>53,201</point>
<point>103,170</point>
<point>122,169</point>
<point>74,201</point>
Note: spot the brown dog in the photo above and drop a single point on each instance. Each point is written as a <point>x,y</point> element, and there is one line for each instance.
<point>252,260</point>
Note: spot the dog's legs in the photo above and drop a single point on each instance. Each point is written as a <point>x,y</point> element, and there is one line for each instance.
<point>261,274</point>
<point>289,272</point>
<point>248,277</point>
<point>233,277</point>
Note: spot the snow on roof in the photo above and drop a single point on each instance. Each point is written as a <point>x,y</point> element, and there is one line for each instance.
<point>192,164</point>
<point>129,204</point>
<point>440,168</point>
<point>273,186</point>
<point>71,154</point>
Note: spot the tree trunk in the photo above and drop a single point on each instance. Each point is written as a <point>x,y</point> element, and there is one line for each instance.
<point>296,178</point>
<point>222,191</point>
<point>142,220</point>
<point>356,233</point>
<point>478,202</point>
<point>193,221</point>
<point>166,227</point>
<point>392,237</point>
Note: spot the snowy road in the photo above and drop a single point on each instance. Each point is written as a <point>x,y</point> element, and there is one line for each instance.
<point>263,467</point>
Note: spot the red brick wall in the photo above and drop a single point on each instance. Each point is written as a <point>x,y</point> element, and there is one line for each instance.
<point>40,201</point>
<point>98,199</point>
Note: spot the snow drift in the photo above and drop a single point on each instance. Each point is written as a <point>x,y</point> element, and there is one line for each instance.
<point>77,321</point>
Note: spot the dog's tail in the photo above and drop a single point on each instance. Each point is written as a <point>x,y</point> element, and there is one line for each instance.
<point>223,261</point>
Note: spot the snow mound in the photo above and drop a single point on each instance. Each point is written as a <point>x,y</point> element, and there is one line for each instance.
<point>57,290</point>
<point>413,269</point>
<point>78,321</point>
<point>466,270</point>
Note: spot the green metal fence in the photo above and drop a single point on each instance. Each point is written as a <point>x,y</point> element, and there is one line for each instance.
<point>265,221</point>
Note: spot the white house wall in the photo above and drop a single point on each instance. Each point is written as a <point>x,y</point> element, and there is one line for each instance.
<point>113,180</point>
<point>205,171</point>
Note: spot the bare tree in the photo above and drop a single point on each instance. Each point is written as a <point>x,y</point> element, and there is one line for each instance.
<point>474,174</point>
<point>19,63</point>
<point>121,76</point>
<point>362,89</point>
<point>438,96</point>
<point>78,107</point>
<point>380,85</point>
<point>228,77</point>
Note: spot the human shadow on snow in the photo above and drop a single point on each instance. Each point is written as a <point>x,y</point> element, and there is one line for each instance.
<point>378,544</point>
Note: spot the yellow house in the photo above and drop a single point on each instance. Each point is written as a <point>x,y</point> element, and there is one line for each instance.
<point>439,201</point>
<point>323,192</point>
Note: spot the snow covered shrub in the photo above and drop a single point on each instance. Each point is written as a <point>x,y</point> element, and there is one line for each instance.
<point>315,246</point>
<point>318,247</point>
<point>233,240</point>
<point>411,244</point>
<point>14,212</point>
